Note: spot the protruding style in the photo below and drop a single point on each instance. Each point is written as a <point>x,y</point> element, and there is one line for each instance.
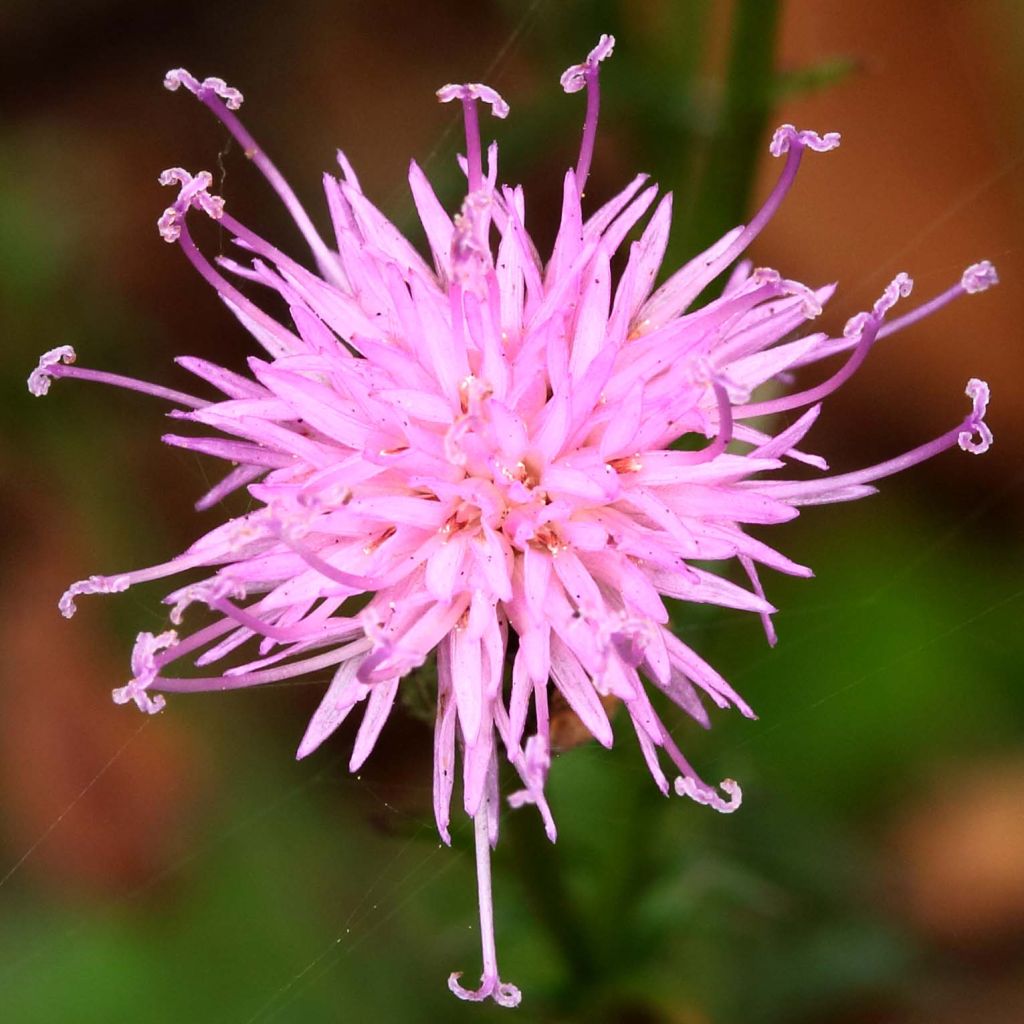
<point>585,76</point>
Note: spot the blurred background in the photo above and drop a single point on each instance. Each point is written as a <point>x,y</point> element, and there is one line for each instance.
<point>185,867</point>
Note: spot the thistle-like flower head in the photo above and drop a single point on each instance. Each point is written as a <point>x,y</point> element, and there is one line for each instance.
<point>485,443</point>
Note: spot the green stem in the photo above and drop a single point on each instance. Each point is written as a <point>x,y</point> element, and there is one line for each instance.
<point>722,195</point>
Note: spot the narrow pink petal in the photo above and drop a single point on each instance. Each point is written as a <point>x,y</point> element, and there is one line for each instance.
<point>591,331</point>
<point>569,242</point>
<point>378,707</point>
<point>579,692</point>
<point>706,588</point>
<point>342,695</point>
<point>436,222</point>
<point>444,744</point>
<point>445,567</point>
<point>466,670</point>
<point>477,758</point>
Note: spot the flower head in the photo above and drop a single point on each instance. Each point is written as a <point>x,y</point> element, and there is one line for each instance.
<point>485,444</point>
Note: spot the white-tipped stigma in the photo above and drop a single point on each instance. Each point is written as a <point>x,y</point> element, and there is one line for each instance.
<point>169,225</point>
<point>503,993</point>
<point>193,192</point>
<point>178,77</point>
<point>786,136</point>
<point>93,585</point>
<point>764,275</point>
<point>143,701</point>
<point>978,392</point>
<point>854,327</point>
<point>491,985</point>
<point>474,91</point>
<point>39,379</point>
<point>812,307</point>
<point>574,78</point>
<point>979,277</point>
<point>216,589</point>
<point>147,646</point>
<point>898,288</point>
<point>701,794</point>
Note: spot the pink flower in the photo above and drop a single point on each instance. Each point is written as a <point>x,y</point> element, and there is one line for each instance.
<point>484,443</point>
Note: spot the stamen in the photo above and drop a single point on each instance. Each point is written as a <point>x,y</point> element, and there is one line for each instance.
<point>786,140</point>
<point>223,100</point>
<point>491,984</point>
<point>122,581</point>
<point>173,228</point>
<point>202,684</point>
<point>469,93</point>
<point>799,492</point>
<point>586,75</point>
<point>93,585</point>
<point>864,327</point>
<point>689,281</point>
<point>55,364</point>
<point>144,669</point>
<point>978,277</point>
